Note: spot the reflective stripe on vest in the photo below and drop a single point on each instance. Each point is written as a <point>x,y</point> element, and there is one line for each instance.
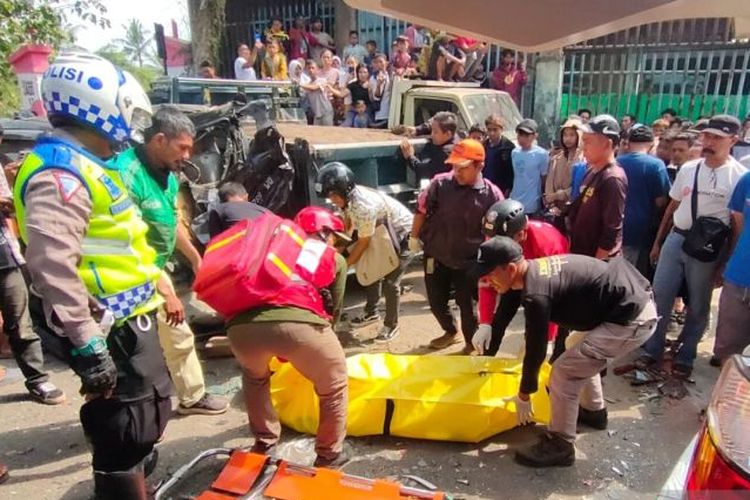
<point>309,257</point>
<point>117,265</point>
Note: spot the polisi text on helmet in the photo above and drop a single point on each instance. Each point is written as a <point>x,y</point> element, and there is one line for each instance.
<point>61,72</point>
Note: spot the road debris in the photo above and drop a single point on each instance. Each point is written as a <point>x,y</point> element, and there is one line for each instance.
<point>674,388</point>
<point>617,471</point>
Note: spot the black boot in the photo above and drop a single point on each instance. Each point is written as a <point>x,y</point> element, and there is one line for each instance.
<point>551,450</point>
<point>125,485</point>
<point>595,419</point>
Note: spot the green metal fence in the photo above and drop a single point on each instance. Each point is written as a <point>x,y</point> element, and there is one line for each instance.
<point>696,67</point>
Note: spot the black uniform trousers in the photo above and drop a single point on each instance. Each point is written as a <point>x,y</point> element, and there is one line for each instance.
<point>123,429</point>
<point>440,280</point>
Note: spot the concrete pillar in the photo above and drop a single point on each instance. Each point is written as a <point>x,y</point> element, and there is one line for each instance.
<point>29,63</point>
<point>346,21</point>
<point>548,94</point>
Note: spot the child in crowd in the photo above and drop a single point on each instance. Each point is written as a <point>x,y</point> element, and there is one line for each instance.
<point>478,133</point>
<point>359,117</point>
<point>274,66</point>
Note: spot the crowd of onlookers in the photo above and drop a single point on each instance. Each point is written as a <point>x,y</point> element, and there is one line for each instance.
<point>353,88</point>
<point>624,189</point>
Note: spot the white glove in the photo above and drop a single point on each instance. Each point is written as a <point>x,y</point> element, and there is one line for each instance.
<point>415,244</point>
<point>481,338</point>
<point>524,411</point>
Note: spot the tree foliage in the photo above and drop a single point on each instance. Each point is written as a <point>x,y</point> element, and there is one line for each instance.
<point>39,21</point>
<point>144,74</point>
<point>138,43</point>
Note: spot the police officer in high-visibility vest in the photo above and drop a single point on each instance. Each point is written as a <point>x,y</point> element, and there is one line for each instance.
<point>90,263</point>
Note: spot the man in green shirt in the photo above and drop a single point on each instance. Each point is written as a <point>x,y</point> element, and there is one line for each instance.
<point>148,172</point>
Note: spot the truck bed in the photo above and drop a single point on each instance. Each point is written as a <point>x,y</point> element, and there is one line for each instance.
<point>322,136</point>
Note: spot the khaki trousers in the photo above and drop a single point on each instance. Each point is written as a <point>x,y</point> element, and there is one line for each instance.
<point>178,345</point>
<point>313,350</point>
<point>575,374</point>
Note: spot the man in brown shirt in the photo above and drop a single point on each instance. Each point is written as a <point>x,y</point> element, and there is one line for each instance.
<point>595,218</point>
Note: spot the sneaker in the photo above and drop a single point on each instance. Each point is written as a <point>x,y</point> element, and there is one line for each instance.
<point>46,393</point>
<point>332,463</point>
<point>207,405</point>
<point>364,320</point>
<point>445,340</point>
<point>679,317</point>
<point>551,450</point>
<point>387,333</point>
<point>595,419</point>
<point>715,361</point>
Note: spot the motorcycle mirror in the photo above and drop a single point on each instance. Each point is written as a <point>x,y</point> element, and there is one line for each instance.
<point>191,171</point>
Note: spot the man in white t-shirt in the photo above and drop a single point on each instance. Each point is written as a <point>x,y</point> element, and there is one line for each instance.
<point>717,174</point>
<point>365,209</point>
<point>243,65</point>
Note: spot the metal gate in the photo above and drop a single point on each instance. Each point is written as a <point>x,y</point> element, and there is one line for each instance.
<point>246,18</point>
<point>384,30</point>
<point>694,66</point>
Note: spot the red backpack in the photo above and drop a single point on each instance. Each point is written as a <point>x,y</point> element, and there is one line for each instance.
<point>266,261</point>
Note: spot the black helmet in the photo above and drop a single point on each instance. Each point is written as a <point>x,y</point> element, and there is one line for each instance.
<point>334,177</point>
<point>504,218</point>
<point>603,124</point>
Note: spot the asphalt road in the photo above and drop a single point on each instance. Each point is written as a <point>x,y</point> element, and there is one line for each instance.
<point>49,459</point>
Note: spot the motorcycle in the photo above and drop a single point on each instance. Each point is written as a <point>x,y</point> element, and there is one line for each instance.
<point>223,153</point>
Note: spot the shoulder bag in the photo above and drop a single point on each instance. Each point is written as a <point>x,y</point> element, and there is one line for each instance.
<point>382,254</point>
<point>707,235</point>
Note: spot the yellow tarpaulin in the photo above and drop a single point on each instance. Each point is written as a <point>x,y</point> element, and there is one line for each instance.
<point>446,398</point>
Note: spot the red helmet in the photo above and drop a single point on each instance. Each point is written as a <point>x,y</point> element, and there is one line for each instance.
<point>313,220</point>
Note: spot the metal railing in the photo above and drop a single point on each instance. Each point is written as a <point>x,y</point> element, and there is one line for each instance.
<point>694,66</point>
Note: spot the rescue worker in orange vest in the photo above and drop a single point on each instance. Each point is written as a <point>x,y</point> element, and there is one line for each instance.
<point>297,333</point>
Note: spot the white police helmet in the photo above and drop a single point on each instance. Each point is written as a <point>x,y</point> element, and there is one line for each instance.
<point>91,90</point>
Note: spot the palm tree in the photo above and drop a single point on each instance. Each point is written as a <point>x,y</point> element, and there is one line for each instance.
<point>137,42</point>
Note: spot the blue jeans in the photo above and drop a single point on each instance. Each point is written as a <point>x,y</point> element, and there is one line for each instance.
<point>674,266</point>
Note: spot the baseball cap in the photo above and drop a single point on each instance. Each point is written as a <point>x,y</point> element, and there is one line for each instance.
<point>640,133</point>
<point>603,124</point>
<point>527,125</point>
<point>468,149</point>
<point>497,251</point>
<point>723,125</point>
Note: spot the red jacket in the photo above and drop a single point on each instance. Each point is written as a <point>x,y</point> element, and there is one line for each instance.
<point>510,79</point>
<point>542,240</point>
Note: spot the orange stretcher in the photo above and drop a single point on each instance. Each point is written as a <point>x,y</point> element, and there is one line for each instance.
<point>249,475</point>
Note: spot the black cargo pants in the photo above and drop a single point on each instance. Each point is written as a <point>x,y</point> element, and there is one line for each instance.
<point>123,429</point>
